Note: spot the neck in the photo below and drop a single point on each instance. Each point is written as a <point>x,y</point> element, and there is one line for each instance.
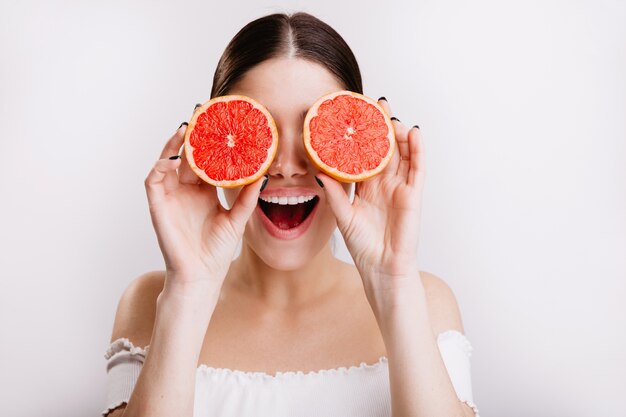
<point>282,290</point>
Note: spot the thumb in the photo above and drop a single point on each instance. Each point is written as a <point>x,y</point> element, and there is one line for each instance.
<point>246,202</point>
<point>337,199</point>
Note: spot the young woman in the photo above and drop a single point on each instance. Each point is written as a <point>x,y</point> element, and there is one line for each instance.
<point>287,329</point>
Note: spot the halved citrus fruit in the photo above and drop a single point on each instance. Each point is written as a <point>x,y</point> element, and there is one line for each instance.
<point>348,136</point>
<point>231,141</point>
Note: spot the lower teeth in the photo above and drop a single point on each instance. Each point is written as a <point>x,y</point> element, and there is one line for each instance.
<point>285,225</point>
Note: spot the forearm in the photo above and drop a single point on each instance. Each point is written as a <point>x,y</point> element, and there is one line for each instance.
<point>419,382</point>
<point>166,385</point>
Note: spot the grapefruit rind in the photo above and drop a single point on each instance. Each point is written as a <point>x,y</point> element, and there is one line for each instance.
<point>271,152</point>
<point>334,172</point>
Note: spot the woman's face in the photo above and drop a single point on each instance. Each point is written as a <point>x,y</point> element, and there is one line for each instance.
<point>283,235</point>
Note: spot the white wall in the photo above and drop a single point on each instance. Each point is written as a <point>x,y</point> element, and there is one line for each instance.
<point>522,106</point>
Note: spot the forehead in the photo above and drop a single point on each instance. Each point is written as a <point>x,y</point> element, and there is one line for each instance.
<point>287,85</point>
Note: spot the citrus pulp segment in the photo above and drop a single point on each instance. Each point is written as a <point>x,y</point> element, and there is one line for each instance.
<point>231,141</point>
<point>348,136</point>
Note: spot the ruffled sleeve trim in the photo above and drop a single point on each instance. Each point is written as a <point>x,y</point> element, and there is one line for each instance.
<point>124,344</point>
<point>457,337</point>
<point>472,406</point>
<point>113,407</point>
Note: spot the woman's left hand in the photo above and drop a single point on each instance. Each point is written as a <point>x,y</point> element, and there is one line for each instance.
<point>381,226</point>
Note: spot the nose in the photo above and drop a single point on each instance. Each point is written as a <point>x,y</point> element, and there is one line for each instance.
<point>291,160</point>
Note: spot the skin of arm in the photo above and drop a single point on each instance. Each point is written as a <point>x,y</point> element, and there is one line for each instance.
<point>381,231</point>
<point>166,383</point>
<point>410,316</point>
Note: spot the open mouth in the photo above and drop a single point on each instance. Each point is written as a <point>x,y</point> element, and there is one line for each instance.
<point>287,216</point>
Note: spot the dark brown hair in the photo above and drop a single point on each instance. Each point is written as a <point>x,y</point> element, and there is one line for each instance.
<point>299,35</point>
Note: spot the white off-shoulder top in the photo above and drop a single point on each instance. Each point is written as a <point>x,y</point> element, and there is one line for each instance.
<point>355,391</point>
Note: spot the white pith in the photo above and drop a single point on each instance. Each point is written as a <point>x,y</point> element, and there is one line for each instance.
<point>283,201</point>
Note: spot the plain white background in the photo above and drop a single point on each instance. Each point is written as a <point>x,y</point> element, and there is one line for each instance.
<point>522,107</point>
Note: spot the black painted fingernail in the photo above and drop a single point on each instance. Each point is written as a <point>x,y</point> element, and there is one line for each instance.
<point>174,157</point>
<point>395,118</point>
<point>416,126</point>
<point>197,105</point>
<point>321,184</point>
<point>382,98</point>
<point>264,183</point>
<point>183,123</point>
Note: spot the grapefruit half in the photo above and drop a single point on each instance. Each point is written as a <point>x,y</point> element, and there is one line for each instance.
<point>231,141</point>
<point>348,136</point>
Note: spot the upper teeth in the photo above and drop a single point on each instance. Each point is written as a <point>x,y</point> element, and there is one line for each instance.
<point>288,200</point>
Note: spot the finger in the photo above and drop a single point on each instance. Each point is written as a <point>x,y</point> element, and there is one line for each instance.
<point>404,153</point>
<point>187,176</point>
<point>185,173</point>
<point>337,199</point>
<point>171,150</point>
<point>385,105</point>
<point>170,182</point>
<point>417,169</point>
<point>396,165</point>
<point>399,164</point>
<point>246,202</point>
<point>156,185</point>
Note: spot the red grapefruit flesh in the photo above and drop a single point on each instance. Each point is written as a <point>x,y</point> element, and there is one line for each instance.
<point>231,141</point>
<point>348,136</point>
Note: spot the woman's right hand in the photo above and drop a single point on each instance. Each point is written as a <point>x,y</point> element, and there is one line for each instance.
<point>197,236</point>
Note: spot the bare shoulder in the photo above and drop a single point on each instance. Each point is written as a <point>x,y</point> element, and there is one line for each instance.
<point>136,310</point>
<point>443,308</point>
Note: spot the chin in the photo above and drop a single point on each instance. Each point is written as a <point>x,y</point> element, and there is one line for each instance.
<point>284,248</point>
<point>286,264</point>
<point>285,259</point>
